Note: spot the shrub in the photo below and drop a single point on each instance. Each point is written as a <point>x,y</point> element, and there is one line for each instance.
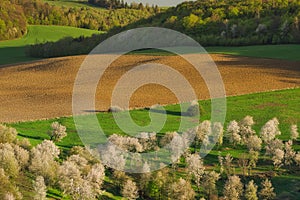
<point>193,109</point>
<point>115,109</point>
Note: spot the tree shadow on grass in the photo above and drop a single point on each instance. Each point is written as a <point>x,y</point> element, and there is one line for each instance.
<point>31,137</point>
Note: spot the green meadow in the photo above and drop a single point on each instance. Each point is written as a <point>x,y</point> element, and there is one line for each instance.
<point>13,51</point>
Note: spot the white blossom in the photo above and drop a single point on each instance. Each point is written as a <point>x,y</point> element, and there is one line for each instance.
<point>251,191</point>
<point>270,130</point>
<point>130,190</point>
<point>278,158</point>
<point>40,188</point>
<point>58,132</point>
<point>233,189</point>
<point>233,135</point>
<point>289,153</point>
<point>253,142</point>
<point>267,191</point>
<point>294,132</point>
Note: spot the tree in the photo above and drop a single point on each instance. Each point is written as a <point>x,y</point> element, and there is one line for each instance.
<point>218,131</point>
<point>181,190</point>
<point>130,190</point>
<point>297,159</point>
<point>195,168</point>
<point>193,109</point>
<point>253,143</point>
<point>270,130</point>
<point>278,158</point>
<point>126,143</point>
<point>273,145</point>
<point>228,164</point>
<point>204,129</point>
<point>95,177</point>
<point>72,183</point>
<point>244,162</point>
<point>209,182</point>
<point>58,132</point>
<point>43,159</point>
<point>233,135</point>
<point>8,189</point>
<point>22,156</point>
<point>294,132</point>
<point>289,153</point>
<point>9,196</point>
<point>233,189</point>
<point>246,127</point>
<point>40,188</point>
<point>7,134</point>
<point>8,161</point>
<point>251,191</point>
<point>253,158</point>
<point>267,191</point>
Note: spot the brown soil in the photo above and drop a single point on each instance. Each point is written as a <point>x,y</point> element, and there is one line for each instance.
<point>43,89</point>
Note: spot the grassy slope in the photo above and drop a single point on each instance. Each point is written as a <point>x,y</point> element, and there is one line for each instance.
<point>13,51</point>
<point>286,52</point>
<point>262,106</point>
<point>71,3</point>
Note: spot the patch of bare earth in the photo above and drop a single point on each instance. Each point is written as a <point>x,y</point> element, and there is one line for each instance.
<point>43,89</point>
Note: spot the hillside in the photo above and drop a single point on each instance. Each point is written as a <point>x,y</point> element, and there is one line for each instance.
<point>13,51</point>
<point>12,20</point>
<point>214,23</point>
<point>16,14</point>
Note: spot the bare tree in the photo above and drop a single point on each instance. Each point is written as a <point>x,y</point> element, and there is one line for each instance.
<point>244,162</point>
<point>253,158</point>
<point>228,164</point>
<point>267,191</point>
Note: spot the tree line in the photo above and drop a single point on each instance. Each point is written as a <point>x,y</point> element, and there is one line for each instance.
<point>217,23</point>
<point>116,4</point>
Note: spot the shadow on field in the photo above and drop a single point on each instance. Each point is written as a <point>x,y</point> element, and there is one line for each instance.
<point>32,137</point>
